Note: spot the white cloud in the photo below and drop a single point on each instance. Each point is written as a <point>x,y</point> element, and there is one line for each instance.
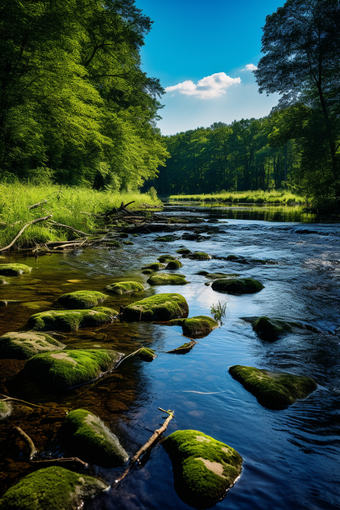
<point>207,88</point>
<point>250,67</point>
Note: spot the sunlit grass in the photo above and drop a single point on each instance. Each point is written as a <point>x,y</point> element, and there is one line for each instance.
<point>253,197</point>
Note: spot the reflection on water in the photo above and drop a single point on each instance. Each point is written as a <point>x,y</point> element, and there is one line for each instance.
<point>290,456</point>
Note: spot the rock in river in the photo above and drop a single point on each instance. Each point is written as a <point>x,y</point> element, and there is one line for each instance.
<point>196,327</point>
<point>70,320</point>
<point>237,285</point>
<point>167,279</point>
<point>82,299</point>
<point>120,288</point>
<point>24,345</point>
<point>14,269</point>
<point>204,468</point>
<point>161,307</point>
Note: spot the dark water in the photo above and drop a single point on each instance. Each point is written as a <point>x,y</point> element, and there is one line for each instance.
<point>291,456</point>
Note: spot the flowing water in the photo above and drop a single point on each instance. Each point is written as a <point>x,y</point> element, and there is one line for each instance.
<point>291,456</point>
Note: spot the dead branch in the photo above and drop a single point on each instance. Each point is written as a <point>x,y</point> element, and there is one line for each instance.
<point>38,204</point>
<point>63,460</point>
<point>27,440</point>
<point>55,224</point>
<point>121,208</point>
<point>23,228</point>
<point>148,444</point>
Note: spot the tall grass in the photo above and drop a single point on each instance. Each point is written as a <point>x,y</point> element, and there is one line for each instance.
<point>66,204</point>
<point>253,197</point>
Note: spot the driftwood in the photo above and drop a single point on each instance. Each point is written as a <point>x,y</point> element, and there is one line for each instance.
<point>183,349</point>
<point>27,440</point>
<point>148,444</point>
<point>75,461</point>
<point>55,224</point>
<point>37,205</point>
<point>22,230</point>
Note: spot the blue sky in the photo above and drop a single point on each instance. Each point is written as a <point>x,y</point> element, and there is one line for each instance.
<point>202,51</point>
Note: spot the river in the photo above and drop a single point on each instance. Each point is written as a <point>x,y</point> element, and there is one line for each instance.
<point>291,456</point>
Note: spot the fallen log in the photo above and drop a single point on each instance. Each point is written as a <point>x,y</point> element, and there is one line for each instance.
<point>22,230</point>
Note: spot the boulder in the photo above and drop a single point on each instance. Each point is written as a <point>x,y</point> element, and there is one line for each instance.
<point>270,329</point>
<point>82,299</point>
<point>196,327</point>
<point>161,307</point>
<point>237,285</point>
<point>183,251</point>
<point>166,258</point>
<point>204,468</point>
<point>156,266</point>
<point>199,255</point>
<point>70,320</point>
<point>146,354</point>
<point>14,269</point>
<point>87,437</point>
<point>53,488</point>
<point>275,390</point>
<point>174,264</point>
<point>167,279</point>
<point>25,344</point>
<point>183,349</point>
<point>60,370</point>
<point>125,288</point>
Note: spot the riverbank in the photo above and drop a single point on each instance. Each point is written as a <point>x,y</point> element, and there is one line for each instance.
<point>243,197</point>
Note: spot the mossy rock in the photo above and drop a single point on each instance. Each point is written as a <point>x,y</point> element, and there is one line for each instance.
<point>60,370</point>
<point>166,239</point>
<point>148,271</point>
<point>237,285</point>
<point>87,437</point>
<point>199,255</point>
<point>162,307</point>
<point>238,259</point>
<point>53,488</point>
<point>204,468</point>
<point>127,243</point>
<point>183,251</point>
<point>5,409</point>
<point>174,264</point>
<point>167,279</point>
<point>156,266</point>
<point>216,276</point>
<point>147,354</point>
<point>196,327</point>
<point>271,329</point>
<point>166,258</point>
<point>82,299</point>
<point>183,349</point>
<point>14,269</point>
<point>71,320</point>
<point>24,345</point>
<point>125,288</point>
<point>274,390</point>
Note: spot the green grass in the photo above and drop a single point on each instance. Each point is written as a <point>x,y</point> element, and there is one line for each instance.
<point>66,204</point>
<point>244,197</point>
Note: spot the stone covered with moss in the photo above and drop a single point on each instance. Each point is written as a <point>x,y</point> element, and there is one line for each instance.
<point>5,409</point>
<point>167,279</point>
<point>215,276</point>
<point>53,488</point>
<point>120,288</point>
<point>156,266</point>
<point>204,468</point>
<point>166,258</point>
<point>82,299</point>
<point>162,307</point>
<point>24,345</point>
<point>146,354</point>
<point>174,264</point>
<point>270,329</point>
<point>87,437</point>
<point>196,327</point>
<point>274,390</point>
<point>199,255</point>
<point>14,269</point>
<point>183,251</point>
<point>60,370</point>
<point>237,285</point>
<point>148,271</point>
<point>166,239</point>
<point>71,320</point>
<point>184,348</point>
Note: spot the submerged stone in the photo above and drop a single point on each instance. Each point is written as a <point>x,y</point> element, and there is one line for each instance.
<point>184,348</point>
<point>5,409</point>
<point>174,264</point>
<point>70,320</point>
<point>52,488</point>
<point>199,255</point>
<point>162,307</point>
<point>146,354</point>
<point>196,327</point>
<point>167,279</point>
<point>156,266</point>
<point>204,468</point>
<point>125,288</point>
<point>271,329</point>
<point>237,285</point>
<point>60,370</point>
<point>274,390</point>
<point>82,299</point>
<point>24,345</point>
<point>215,276</point>
<point>166,239</point>
<point>87,437</point>
<point>14,269</point>
<point>183,251</point>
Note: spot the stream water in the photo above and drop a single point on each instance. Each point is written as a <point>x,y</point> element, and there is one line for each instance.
<point>291,456</point>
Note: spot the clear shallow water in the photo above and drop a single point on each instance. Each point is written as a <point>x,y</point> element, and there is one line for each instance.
<point>291,456</point>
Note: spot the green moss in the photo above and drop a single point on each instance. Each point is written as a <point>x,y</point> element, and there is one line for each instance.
<point>215,276</point>
<point>162,307</point>
<point>70,320</point>
<point>174,264</point>
<point>14,269</point>
<point>183,251</point>
<point>24,345</point>
<point>199,255</point>
<point>147,354</point>
<point>237,285</point>
<point>148,271</point>
<point>273,390</point>
<point>86,436</point>
<point>60,370</point>
<point>166,239</point>
<point>204,468</point>
<point>156,266</point>
<point>167,279</point>
<point>125,288</point>
<point>197,327</point>
<point>5,410</point>
<point>166,258</point>
<point>82,299</point>
<point>53,488</point>
<point>270,329</point>
<point>184,348</point>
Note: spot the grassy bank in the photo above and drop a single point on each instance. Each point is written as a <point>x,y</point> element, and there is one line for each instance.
<point>251,197</point>
<point>66,205</point>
